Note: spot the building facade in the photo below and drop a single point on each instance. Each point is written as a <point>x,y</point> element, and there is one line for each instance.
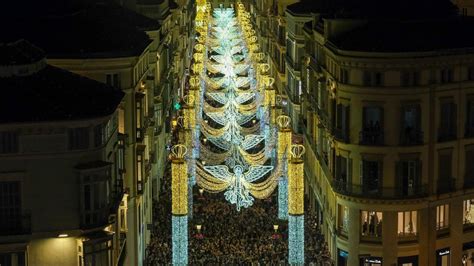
<point>62,187</point>
<point>387,124</point>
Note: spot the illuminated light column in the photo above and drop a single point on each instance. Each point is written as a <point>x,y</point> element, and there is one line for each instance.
<point>296,206</point>
<point>179,208</point>
<point>189,126</point>
<point>284,142</point>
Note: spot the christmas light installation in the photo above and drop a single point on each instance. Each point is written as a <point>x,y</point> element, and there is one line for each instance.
<point>296,206</point>
<point>179,208</point>
<point>284,142</point>
<point>232,118</point>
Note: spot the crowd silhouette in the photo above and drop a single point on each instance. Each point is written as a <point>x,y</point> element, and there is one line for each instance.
<point>229,237</point>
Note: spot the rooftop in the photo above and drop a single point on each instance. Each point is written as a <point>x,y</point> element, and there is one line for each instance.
<point>19,53</point>
<point>95,31</point>
<point>410,36</point>
<point>376,9</point>
<point>52,94</point>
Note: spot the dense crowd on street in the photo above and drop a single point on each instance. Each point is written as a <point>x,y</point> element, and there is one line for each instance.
<point>230,237</point>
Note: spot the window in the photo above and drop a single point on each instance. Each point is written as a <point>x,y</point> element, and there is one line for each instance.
<point>407,223</point>
<point>10,207</point>
<point>78,138</point>
<point>113,80</point>
<point>342,123</point>
<point>13,258</point>
<point>469,167</point>
<point>446,183</point>
<point>95,199</point>
<point>410,125</point>
<point>367,78</point>
<point>442,216</point>
<point>8,142</point>
<point>470,73</point>
<point>371,223</point>
<point>343,219</point>
<point>410,78</point>
<point>372,78</point>
<point>372,120</point>
<point>447,75</point>
<point>98,252</point>
<point>409,177</point>
<point>468,212</point>
<point>344,76</point>
<point>371,176</point>
<point>140,169</point>
<point>470,116</point>
<point>448,120</point>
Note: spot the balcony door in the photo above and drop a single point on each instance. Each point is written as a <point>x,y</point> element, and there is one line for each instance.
<point>371,176</point>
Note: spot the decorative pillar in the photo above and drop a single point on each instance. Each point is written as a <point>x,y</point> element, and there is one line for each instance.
<point>296,206</point>
<point>179,208</point>
<point>284,142</point>
<point>189,126</point>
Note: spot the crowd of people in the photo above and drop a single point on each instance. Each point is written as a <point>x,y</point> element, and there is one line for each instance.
<point>230,237</point>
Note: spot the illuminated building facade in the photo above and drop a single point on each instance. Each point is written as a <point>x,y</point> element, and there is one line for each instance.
<point>62,197</point>
<point>147,59</point>
<point>387,123</point>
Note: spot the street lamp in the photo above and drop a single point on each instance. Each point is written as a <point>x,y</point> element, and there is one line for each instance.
<point>198,227</point>
<point>201,191</point>
<point>275,227</point>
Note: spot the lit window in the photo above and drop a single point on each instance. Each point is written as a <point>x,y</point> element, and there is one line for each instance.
<point>468,212</point>
<point>407,223</point>
<point>442,216</point>
<point>371,223</point>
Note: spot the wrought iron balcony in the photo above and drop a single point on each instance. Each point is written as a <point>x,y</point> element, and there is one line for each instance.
<point>17,225</point>
<point>446,134</point>
<point>363,191</point>
<point>411,137</point>
<point>446,185</point>
<point>371,137</point>
<point>341,135</point>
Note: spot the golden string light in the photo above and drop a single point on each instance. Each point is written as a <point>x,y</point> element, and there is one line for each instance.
<point>296,181</point>
<point>179,180</point>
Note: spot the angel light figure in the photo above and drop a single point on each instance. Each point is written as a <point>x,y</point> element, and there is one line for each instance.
<point>237,192</point>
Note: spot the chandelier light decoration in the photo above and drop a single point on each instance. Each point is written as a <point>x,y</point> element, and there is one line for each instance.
<point>233,97</point>
<point>296,206</point>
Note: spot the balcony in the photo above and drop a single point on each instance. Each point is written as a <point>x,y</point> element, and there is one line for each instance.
<point>411,137</point>
<point>469,131</point>
<point>294,65</point>
<point>19,225</point>
<point>407,237</point>
<point>371,137</point>
<point>446,185</point>
<point>140,187</point>
<point>341,135</point>
<point>469,181</point>
<point>140,134</point>
<point>446,134</point>
<point>363,191</point>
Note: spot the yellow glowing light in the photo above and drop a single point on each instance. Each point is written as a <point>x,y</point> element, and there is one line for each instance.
<point>63,235</point>
<point>179,187</point>
<point>296,181</point>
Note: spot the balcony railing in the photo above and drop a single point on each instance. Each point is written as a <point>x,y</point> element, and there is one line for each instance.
<point>355,190</point>
<point>292,64</point>
<point>469,181</point>
<point>371,137</point>
<point>411,137</point>
<point>140,134</point>
<point>469,132</point>
<point>446,135</point>
<point>341,135</point>
<point>407,237</point>
<point>19,225</point>
<point>446,185</point>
